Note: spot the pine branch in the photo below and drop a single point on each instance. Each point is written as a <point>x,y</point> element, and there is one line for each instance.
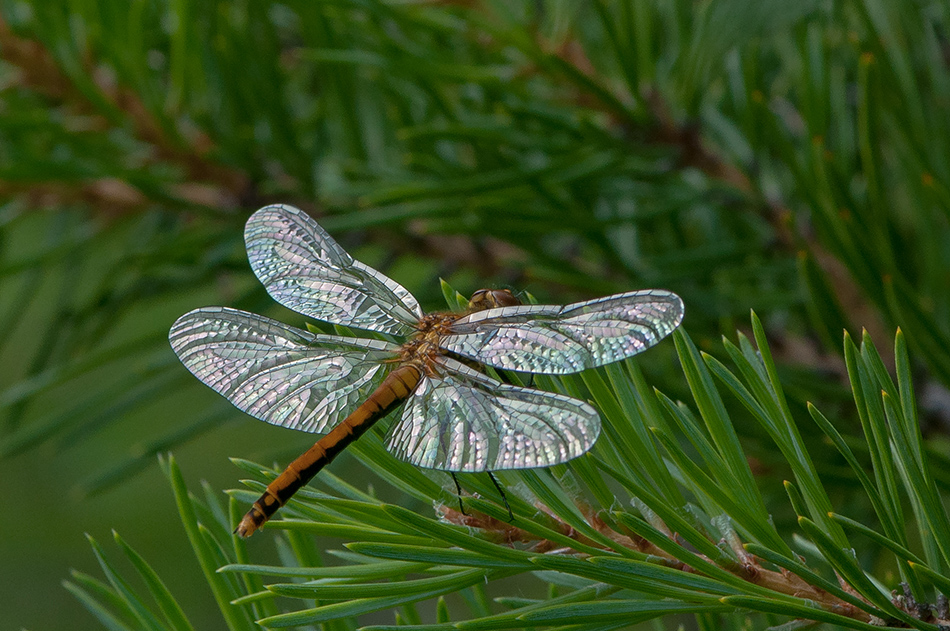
<point>705,553</point>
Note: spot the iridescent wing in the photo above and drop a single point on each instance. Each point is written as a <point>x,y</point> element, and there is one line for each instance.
<point>463,420</point>
<point>278,373</point>
<point>304,269</point>
<point>551,339</point>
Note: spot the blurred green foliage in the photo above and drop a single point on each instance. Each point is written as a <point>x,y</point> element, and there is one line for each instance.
<point>790,157</point>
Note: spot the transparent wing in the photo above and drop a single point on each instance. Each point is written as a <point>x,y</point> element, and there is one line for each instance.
<point>278,373</point>
<point>466,421</point>
<point>552,339</point>
<point>304,269</point>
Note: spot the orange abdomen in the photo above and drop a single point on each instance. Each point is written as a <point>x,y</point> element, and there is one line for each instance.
<point>395,389</point>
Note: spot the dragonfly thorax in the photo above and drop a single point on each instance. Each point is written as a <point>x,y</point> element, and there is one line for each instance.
<point>434,325</point>
<point>423,347</point>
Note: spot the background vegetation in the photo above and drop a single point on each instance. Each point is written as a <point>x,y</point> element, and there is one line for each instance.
<point>787,157</point>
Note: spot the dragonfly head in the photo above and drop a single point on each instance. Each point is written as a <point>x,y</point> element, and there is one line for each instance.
<point>491,298</point>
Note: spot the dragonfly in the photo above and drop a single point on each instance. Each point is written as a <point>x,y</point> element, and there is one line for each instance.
<point>454,417</point>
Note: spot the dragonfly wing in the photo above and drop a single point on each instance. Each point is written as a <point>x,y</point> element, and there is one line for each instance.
<point>278,373</point>
<point>304,269</point>
<point>463,420</point>
<point>552,339</point>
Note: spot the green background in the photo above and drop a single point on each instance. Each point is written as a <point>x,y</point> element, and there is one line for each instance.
<point>787,158</point>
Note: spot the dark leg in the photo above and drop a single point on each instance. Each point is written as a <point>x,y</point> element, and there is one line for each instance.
<point>458,492</point>
<point>504,497</point>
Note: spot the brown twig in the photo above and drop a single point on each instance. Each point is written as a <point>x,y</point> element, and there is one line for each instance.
<point>747,568</point>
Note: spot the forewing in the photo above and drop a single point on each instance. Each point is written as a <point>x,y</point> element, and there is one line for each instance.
<point>552,339</point>
<point>278,373</point>
<point>463,420</point>
<point>304,269</point>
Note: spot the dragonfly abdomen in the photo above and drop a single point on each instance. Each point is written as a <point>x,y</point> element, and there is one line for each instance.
<point>395,389</point>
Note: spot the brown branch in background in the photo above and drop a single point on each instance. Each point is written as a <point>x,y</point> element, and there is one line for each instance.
<point>694,152</point>
<point>206,182</point>
<point>665,130</point>
<point>790,236</point>
<point>113,194</point>
<point>687,139</point>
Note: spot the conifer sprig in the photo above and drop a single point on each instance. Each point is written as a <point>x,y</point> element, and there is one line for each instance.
<point>707,544</point>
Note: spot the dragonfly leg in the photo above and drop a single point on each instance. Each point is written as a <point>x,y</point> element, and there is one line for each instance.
<point>504,498</point>
<point>458,492</point>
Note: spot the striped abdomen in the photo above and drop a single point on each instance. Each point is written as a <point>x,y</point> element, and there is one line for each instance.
<point>395,389</point>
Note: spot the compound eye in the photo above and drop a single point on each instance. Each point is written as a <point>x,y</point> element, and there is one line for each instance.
<point>504,298</point>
